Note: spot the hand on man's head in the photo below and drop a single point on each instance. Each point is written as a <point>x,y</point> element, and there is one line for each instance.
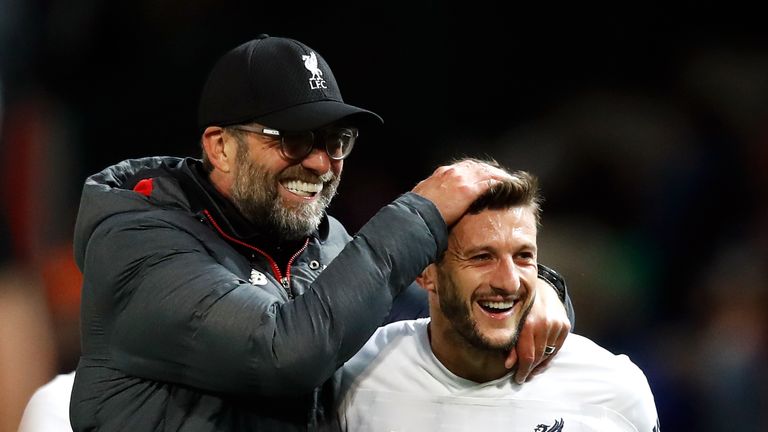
<point>453,188</point>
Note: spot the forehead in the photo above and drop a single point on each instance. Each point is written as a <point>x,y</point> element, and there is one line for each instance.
<point>515,224</point>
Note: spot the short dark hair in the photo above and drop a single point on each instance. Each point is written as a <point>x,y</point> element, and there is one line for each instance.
<point>522,189</point>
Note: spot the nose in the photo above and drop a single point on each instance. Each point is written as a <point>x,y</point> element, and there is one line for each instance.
<point>317,161</point>
<point>506,277</point>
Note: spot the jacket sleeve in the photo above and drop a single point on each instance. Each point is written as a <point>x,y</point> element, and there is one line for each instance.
<point>177,315</point>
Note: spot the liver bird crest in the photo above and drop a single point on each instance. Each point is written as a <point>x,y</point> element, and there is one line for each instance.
<point>310,62</point>
<point>556,427</point>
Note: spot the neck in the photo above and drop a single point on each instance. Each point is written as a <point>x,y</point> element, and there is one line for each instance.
<point>221,182</point>
<point>462,358</point>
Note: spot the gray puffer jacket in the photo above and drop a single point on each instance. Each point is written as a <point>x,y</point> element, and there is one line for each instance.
<point>186,326</point>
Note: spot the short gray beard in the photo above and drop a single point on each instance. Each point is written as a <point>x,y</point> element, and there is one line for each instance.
<point>457,312</point>
<point>254,193</point>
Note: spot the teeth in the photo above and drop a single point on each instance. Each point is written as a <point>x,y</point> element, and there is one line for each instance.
<point>303,188</point>
<point>497,305</point>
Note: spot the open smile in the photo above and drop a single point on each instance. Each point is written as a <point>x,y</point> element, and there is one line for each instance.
<point>497,309</point>
<point>302,189</point>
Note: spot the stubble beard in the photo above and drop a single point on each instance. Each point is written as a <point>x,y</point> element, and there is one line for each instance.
<point>254,193</point>
<point>457,311</point>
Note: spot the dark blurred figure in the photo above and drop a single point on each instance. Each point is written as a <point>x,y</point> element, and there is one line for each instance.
<point>39,291</point>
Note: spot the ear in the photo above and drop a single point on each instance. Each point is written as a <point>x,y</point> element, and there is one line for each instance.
<point>428,279</point>
<point>219,150</point>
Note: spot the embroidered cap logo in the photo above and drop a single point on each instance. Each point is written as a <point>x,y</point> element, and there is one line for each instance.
<point>310,62</point>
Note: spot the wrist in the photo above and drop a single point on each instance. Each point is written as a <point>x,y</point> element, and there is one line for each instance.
<point>553,279</point>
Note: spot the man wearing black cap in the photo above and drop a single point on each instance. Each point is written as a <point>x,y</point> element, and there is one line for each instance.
<point>217,294</point>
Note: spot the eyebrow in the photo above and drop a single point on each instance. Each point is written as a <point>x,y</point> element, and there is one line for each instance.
<point>488,247</point>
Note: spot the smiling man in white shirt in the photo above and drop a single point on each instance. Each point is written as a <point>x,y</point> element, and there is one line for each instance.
<point>448,373</point>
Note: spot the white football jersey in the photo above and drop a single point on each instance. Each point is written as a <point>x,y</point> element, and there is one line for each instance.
<point>48,408</point>
<point>396,384</point>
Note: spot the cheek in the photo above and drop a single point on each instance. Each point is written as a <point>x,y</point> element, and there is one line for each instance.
<point>531,282</point>
<point>337,167</point>
<point>530,274</point>
<point>276,166</point>
<point>269,159</point>
<point>467,282</point>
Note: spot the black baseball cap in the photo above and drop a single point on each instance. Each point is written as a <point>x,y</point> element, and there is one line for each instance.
<point>278,82</point>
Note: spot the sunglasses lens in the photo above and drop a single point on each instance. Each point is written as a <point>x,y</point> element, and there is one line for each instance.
<point>298,146</point>
<point>339,142</point>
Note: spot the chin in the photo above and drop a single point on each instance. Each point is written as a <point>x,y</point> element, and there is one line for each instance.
<point>499,340</point>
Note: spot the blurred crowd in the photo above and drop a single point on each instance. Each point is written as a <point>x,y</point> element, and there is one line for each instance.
<point>650,141</point>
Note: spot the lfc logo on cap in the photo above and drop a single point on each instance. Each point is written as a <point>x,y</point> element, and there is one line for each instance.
<point>310,62</point>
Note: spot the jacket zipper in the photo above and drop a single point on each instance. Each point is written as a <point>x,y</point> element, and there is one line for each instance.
<point>285,281</point>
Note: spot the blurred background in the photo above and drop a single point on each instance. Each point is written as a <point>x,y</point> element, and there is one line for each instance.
<point>647,126</point>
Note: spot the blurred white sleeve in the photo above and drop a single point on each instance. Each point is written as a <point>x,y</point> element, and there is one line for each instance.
<point>48,408</point>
